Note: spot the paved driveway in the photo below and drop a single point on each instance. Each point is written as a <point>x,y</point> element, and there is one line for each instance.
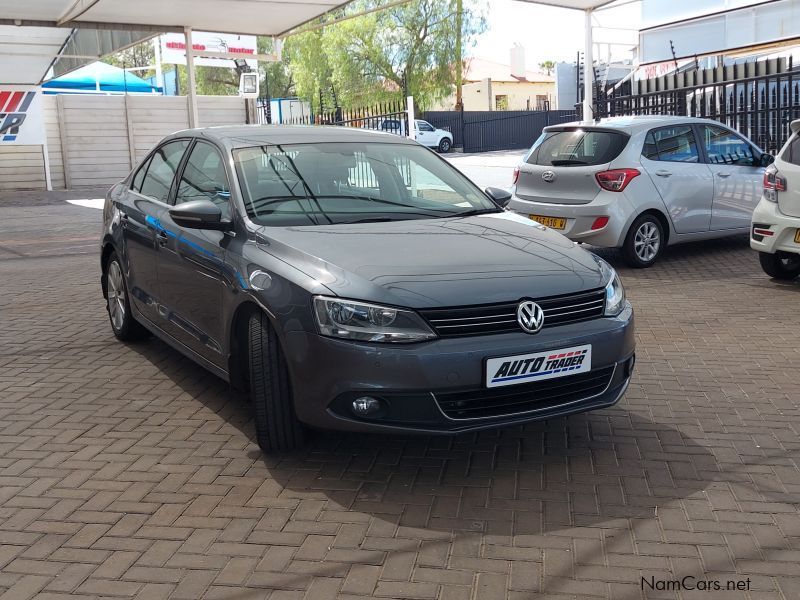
<point>128,472</point>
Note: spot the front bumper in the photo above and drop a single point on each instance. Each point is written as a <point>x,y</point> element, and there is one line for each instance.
<point>581,217</point>
<point>767,215</point>
<point>417,381</point>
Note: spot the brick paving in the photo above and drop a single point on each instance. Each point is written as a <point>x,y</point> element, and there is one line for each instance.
<point>128,472</point>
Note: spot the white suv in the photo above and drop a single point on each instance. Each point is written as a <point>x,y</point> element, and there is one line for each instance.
<point>775,231</point>
<point>430,136</point>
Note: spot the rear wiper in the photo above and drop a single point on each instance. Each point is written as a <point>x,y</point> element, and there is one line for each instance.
<point>567,161</point>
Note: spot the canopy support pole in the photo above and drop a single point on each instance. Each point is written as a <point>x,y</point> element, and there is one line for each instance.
<point>588,70</point>
<point>191,93</point>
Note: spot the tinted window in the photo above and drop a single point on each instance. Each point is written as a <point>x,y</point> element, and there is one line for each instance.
<point>204,177</point>
<point>136,184</point>
<point>671,144</point>
<point>424,126</point>
<point>577,148</point>
<point>336,183</point>
<point>726,148</point>
<point>162,169</point>
<point>792,152</point>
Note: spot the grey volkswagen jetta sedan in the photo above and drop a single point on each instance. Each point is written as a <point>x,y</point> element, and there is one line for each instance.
<point>356,281</point>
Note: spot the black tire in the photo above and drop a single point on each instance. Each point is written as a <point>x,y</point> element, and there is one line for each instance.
<point>645,242</point>
<point>118,304</point>
<point>781,265</point>
<point>277,427</point>
<point>445,145</point>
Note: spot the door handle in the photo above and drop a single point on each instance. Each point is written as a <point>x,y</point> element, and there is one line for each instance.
<point>723,175</point>
<point>664,173</point>
<point>163,238</point>
<point>123,219</point>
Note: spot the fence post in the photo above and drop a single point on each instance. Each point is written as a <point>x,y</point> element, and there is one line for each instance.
<point>412,125</point>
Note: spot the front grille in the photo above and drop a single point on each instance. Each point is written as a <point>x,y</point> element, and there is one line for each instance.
<point>499,318</point>
<point>528,397</point>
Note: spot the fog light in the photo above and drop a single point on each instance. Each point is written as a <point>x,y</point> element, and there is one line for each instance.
<point>366,405</point>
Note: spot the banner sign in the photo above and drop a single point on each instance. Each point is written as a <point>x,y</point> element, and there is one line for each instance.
<point>173,48</point>
<point>21,118</point>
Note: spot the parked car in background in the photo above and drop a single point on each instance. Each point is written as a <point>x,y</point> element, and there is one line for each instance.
<point>776,221</point>
<point>426,134</point>
<point>641,183</point>
<point>430,136</point>
<point>353,280</point>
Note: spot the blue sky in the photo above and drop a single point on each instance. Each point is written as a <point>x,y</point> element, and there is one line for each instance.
<point>551,33</point>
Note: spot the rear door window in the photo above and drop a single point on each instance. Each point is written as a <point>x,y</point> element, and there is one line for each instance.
<point>671,144</point>
<point>577,148</point>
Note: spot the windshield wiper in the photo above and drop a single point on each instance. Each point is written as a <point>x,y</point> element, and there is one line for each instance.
<point>476,211</point>
<point>371,220</point>
<point>567,161</point>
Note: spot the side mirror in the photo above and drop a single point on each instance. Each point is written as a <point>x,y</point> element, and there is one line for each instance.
<point>199,214</point>
<point>500,196</point>
<point>766,160</point>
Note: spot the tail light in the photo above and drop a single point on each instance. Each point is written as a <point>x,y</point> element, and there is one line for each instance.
<point>616,180</point>
<point>773,183</point>
<point>515,177</point>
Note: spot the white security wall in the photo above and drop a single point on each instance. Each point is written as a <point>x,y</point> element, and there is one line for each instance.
<point>95,140</point>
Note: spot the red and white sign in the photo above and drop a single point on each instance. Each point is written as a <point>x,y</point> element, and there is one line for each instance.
<point>21,119</point>
<point>173,48</point>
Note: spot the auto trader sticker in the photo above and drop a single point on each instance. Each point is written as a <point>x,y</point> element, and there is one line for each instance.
<point>525,368</point>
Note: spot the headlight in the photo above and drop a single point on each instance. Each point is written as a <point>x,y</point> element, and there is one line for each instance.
<point>615,296</point>
<point>364,322</point>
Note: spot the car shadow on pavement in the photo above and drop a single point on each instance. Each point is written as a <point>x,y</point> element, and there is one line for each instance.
<point>586,470</point>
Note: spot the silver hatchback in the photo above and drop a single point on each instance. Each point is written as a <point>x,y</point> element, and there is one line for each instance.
<point>641,183</point>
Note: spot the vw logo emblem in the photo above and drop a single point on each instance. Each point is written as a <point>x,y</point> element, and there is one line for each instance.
<point>530,316</point>
<point>549,176</point>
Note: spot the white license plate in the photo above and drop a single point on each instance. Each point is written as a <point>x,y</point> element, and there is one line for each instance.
<point>524,368</point>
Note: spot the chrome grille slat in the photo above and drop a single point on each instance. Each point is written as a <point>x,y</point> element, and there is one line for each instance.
<point>488,319</point>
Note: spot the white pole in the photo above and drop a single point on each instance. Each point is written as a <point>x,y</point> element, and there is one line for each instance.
<point>192,92</point>
<point>157,56</point>
<point>588,69</point>
<point>412,123</point>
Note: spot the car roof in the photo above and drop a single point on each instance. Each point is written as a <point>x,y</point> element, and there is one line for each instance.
<point>240,136</point>
<point>634,123</point>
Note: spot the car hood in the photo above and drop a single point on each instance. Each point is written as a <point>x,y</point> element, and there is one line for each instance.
<point>499,257</point>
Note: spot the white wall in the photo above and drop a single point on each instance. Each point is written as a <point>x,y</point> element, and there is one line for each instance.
<point>95,140</point>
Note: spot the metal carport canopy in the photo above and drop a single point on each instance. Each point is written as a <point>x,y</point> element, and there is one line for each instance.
<point>34,33</point>
<point>587,6</point>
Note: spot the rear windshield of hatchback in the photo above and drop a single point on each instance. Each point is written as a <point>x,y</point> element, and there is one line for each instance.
<point>576,148</point>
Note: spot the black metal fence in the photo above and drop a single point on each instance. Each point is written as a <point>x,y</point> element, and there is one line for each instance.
<point>757,99</point>
<point>391,117</point>
<point>483,131</point>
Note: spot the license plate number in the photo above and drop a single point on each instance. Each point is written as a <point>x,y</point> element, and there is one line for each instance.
<point>552,222</point>
<point>524,368</point>
<point>797,237</point>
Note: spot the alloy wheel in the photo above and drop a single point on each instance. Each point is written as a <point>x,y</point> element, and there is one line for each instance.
<point>115,293</point>
<point>647,241</point>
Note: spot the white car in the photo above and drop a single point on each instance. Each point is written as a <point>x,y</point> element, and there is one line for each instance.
<point>775,229</point>
<point>429,136</point>
<point>641,183</point>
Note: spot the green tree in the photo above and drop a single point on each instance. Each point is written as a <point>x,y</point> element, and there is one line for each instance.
<point>409,49</point>
<point>547,66</point>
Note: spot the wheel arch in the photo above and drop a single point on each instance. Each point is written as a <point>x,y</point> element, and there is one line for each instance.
<point>238,371</point>
<point>666,225</point>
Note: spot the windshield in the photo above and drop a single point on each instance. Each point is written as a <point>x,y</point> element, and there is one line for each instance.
<point>337,183</point>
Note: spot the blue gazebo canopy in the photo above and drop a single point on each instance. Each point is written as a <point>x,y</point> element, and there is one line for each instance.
<point>109,77</point>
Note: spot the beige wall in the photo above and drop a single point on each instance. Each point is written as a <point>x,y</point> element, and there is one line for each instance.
<point>95,140</point>
<point>482,95</point>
